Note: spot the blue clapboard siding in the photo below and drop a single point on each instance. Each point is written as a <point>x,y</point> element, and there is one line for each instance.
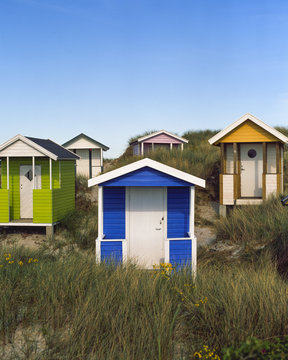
<point>146,177</point>
<point>178,205</point>
<point>180,252</point>
<point>114,212</point>
<point>111,251</point>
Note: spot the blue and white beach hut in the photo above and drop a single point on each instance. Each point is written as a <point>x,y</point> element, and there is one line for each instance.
<point>146,213</point>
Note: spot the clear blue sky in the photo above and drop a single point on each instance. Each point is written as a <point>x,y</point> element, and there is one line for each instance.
<point>115,68</point>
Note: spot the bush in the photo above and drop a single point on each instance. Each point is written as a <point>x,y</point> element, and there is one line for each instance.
<point>258,349</point>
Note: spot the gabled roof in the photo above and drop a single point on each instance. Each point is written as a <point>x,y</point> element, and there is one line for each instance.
<point>256,121</point>
<point>147,163</point>
<point>45,146</point>
<point>143,138</point>
<point>97,143</point>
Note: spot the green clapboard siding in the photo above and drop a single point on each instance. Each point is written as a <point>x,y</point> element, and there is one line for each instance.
<point>4,208</point>
<point>42,206</point>
<point>48,205</point>
<point>64,197</point>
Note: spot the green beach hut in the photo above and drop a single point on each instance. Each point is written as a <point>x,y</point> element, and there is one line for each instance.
<point>37,182</point>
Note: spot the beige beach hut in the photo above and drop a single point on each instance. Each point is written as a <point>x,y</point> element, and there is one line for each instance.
<point>251,162</point>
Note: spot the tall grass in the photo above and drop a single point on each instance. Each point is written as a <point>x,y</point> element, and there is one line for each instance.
<point>255,224</point>
<point>86,311</point>
<point>244,300</point>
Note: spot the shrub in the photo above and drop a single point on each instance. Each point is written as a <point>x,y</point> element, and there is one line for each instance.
<point>258,349</point>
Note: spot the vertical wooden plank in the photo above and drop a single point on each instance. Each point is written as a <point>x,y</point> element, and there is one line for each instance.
<point>278,167</point>
<point>278,158</point>
<point>100,224</point>
<point>192,215</point>
<point>182,146</point>
<point>235,152</point>
<point>282,168</point>
<point>167,250</point>
<point>194,256</point>
<point>221,189</point>
<point>222,157</point>
<point>90,163</point>
<point>8,180</point>
<point>239,172</point>
<point>8,185</point>
<point>33,171</point>
<point>264,150</point>
<point>50,172</point>
<point>236,170</point>
<point>264,147</point>
<point>101,159</point>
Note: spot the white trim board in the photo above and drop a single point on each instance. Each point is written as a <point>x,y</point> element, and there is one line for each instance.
<point>153,165</point>
<point>256,121</point>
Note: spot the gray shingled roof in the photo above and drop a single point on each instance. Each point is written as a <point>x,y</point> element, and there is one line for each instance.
<point>54,148</point>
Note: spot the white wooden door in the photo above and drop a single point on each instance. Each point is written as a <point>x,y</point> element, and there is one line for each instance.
<point>251,170</point>
<point>26,189</point>
<point>146,225</point>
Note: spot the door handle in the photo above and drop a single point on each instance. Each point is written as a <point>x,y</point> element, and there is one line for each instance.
<point>160,228</point>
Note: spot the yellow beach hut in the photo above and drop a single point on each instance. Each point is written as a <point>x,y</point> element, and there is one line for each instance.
<point>251,162</point>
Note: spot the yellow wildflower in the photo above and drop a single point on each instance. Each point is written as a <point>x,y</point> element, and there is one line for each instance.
<point>20,263</point>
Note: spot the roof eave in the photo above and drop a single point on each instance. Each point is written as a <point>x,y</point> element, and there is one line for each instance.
<point>149,163</point>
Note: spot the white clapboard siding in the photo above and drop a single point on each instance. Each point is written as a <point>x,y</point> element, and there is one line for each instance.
<point>82,164</point>
<point>229,159</point>
<point>271,158</point>
<point>282,170</point>
<point>83,144</point>
<point>20,149</point>
<point>271,184</point>
<point>228,190</point>
<point>96,157</point>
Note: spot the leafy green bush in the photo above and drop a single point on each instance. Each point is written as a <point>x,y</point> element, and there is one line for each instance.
<point>258,349</point>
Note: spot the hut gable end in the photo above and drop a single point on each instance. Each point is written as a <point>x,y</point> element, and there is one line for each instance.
<point>146,177</point>
<point>248,132</point>
<point>20,149</point>
<point>163,139</point>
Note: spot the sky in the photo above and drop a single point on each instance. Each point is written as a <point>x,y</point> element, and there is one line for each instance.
<point>113,69</point>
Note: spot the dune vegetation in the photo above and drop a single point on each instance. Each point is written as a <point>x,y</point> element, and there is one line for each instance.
<point>57,303</point>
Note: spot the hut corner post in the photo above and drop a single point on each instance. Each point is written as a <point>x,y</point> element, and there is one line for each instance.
<point>100,225</point>
<point>191,230</point>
